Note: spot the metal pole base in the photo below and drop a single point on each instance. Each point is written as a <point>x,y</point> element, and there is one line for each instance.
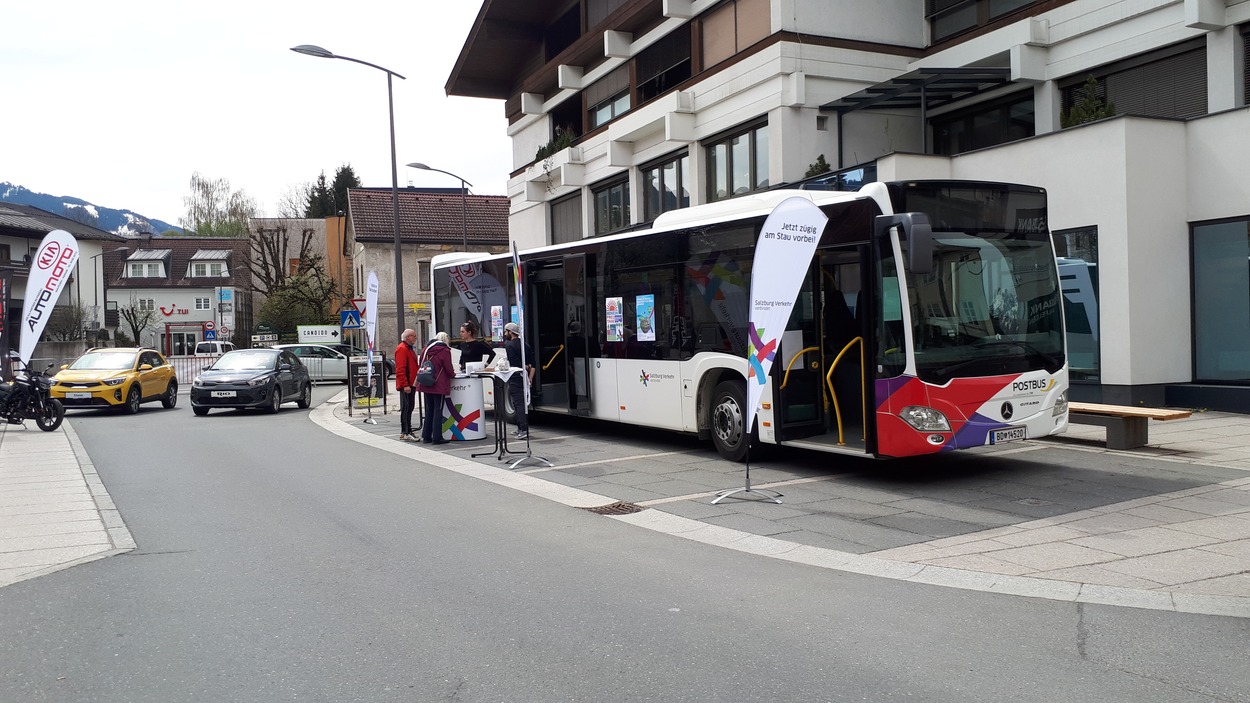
<point>529,454</point>
<point>761,492</point>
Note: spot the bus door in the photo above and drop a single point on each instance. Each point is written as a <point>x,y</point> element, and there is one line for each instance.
<point>796,369</point>
<point>579,342</point>
<point>544,330</point>
<point>829,394</point>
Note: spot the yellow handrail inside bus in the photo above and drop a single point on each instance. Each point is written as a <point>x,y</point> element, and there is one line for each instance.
<point>837,409</point>
<point>553,358</point>
<point>786,379</point>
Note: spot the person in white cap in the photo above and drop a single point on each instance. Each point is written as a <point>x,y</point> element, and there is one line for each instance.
<point>516,391</point>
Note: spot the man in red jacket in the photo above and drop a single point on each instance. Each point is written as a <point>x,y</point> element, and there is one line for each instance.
<point>406,382</point>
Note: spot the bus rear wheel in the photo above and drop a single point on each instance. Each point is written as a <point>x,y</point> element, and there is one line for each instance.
<point>728,418</point>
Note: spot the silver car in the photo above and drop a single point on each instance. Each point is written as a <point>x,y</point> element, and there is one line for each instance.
<point>324,363</point>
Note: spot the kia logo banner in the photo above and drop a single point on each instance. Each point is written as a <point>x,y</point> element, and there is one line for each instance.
<point>49,271</point>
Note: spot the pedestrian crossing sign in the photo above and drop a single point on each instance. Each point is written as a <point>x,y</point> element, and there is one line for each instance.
<point>350,320</point>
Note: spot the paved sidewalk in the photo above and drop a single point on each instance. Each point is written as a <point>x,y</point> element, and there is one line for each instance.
<point>54,511</point>
<point>1185,549</point>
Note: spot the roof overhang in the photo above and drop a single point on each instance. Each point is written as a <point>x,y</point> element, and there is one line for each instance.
<point>925,88</point>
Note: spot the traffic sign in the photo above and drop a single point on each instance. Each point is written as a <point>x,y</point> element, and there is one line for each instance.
<point>209,326</point>
<point>350,320</point>
<point>210,335</point>
<point>224,330</point>
<point>312,334</point>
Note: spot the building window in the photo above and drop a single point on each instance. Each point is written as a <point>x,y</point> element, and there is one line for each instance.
<point>598,10</point>
<point>984,125</point>
<point>608,97</point>
<point>733,27</point>
<point>738,164</point>
<point>612,207</point>
<point>203,304</point>
<point>202,269</point>
<point>1245,64</point>
<point>1171,82</point>
<point>1077,250</point>
<point>566,219</point>
<point>145,304</point>
<point>1221,281</point>
<point>950,17</point>
<point>5,253</point>
<point>423,272</point>
<point>140,269</point>
<point>663,65</point>
<point>665,186</point>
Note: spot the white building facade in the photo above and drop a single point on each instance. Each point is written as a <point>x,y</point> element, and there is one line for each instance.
<point>621,109</point>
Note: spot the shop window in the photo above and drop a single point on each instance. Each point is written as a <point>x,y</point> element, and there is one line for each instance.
<point>665,186</point>
<point>738,164</point>
<point>1221,279</point>
<point>1077,252</point>
<point>612,207</point>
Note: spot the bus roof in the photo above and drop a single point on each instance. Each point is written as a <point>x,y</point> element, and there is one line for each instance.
<point>743,207</point>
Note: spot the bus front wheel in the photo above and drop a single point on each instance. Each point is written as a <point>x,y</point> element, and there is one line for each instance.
<point>729,420</point>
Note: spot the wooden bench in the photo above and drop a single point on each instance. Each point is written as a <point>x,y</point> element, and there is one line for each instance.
<point>1126,425</point>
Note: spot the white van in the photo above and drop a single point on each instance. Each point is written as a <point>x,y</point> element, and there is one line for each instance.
<point>212,348</point>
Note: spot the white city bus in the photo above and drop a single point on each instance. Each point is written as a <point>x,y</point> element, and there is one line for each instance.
<point>906,339</point>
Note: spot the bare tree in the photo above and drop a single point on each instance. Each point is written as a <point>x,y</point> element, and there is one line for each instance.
<point>214,210</point>
<point>293,201</point>
<point>67,322</point>
<point>275,258</point>
<point>137,316</point>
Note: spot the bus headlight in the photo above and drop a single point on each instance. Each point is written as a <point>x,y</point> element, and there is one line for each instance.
<point>925,419</point>
<point>1061,404</point>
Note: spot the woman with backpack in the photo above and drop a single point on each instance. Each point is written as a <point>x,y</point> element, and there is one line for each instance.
<point>436,361</point>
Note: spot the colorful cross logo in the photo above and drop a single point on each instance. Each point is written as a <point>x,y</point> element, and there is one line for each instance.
<point>755,358</point>
<point>456,423</point>
<point>644,377</point>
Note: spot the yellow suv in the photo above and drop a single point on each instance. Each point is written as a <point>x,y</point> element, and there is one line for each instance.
<point>117,377</point>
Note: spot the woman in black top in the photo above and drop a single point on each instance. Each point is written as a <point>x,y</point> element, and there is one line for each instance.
<point>472,348</point>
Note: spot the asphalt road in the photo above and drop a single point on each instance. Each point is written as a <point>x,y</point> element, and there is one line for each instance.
<point>277,562</point>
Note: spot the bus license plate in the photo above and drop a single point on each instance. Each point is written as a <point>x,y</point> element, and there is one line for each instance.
<point>223,394</point>
<point>1011,434</point>
<point>78,396</point>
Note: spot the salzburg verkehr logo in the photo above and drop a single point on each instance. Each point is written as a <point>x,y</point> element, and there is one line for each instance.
<point>758,353</point>
<point>644,378</point>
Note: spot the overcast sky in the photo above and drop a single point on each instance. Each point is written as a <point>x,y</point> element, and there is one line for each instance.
<point>119,103</point>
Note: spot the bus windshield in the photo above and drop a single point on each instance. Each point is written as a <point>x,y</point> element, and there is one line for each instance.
<point>989,306</point>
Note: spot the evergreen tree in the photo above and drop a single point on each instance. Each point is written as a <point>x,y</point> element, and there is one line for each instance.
<point>344,178</point>
<point>320,200</point>
<point>1089,106</point>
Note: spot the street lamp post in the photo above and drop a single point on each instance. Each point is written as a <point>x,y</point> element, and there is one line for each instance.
<point>96,286</point>
<point>464,196</point>
<point>311,50</point>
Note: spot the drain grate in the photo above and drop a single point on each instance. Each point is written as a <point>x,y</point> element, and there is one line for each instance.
<point>617,508</point>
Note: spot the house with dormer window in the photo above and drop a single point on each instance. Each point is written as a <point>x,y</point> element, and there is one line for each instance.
<point>180,291</point>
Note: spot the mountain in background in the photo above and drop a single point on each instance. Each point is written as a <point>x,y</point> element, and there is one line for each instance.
<point>124,222</point>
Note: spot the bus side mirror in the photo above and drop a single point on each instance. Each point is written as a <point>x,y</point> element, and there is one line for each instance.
<point>916,232</point>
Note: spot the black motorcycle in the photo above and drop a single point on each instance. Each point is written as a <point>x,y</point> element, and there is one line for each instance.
<point>29,397</point>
